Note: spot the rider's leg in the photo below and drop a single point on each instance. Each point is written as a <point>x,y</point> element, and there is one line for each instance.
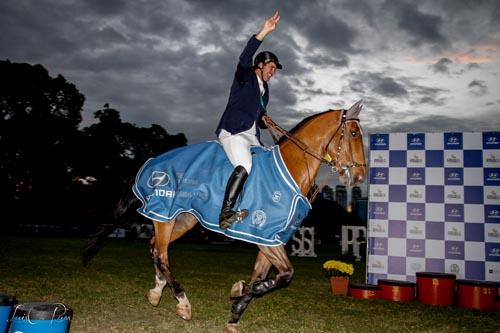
<point>237,148</point>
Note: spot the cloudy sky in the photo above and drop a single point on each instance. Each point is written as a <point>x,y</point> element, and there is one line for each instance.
<point>419,66</point>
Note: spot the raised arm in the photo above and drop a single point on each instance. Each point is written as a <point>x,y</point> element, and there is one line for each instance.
<point>268,26</point>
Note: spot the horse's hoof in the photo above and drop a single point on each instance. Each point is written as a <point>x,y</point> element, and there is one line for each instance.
<point>238,289</point>
<point>153,297</point>
<point>184,311</point>
<point>232,328</point>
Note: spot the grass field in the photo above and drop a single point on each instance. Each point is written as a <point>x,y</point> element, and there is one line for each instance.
<point>109,296</point>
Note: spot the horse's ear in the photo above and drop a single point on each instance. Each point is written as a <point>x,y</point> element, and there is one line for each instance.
<point>353,112</point>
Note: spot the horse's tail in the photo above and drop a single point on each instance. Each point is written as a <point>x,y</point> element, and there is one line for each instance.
<point>96,241</point>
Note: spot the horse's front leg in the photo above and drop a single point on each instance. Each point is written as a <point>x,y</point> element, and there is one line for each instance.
<point>260,283</point>
<point>163,276</point>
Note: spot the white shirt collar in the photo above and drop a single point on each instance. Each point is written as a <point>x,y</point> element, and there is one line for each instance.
<point>261,85</point>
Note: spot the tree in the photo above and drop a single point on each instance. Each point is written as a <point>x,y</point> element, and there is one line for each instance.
<point>39,118</point>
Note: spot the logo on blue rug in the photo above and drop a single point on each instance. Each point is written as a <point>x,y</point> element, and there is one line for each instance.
<point>259,218</point>
<point>158,179</point>
<point>276,196</point>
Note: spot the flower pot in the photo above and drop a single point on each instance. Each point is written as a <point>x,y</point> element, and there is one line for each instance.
<point>339,285</point>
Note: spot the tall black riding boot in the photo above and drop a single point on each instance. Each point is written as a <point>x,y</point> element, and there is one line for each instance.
<point>233,188</point>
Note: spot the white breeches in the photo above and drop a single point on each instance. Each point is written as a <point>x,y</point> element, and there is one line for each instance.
<point>237,148</point>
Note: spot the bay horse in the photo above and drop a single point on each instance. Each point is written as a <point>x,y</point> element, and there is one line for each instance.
<point>333,137</point>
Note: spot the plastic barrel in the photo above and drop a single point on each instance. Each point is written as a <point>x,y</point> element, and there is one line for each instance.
<point>398,291</point>
<point>436,288</point>
<point>476,294</point>
<point>364,291</point>
<point>41,318</point>
<point>6,304</point>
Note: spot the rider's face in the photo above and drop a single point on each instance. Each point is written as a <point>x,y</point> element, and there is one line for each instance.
<point>267,70</point>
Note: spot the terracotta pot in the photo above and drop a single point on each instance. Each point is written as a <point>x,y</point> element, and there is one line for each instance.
<point>339,285</point>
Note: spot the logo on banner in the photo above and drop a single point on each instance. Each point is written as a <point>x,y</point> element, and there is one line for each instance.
<point>378,228</point>
<point>453,176</point>
<point>452,140</point>
<point>491,141</point>
<point>416,176</point>
<point>493,214</point>
<point>455,250</point>
<point>416,267</point>
<point>454,268</point>
<point>379,246</point>
<point>377,264</point>
<point>416,230</point>
<point>415,141</point>
<point>379,159</point>
<point>492,177</point>
<point>416,212</point>
<point>453,159</point>
<point>492,159</point>
<point>379,211</point>
<point>454,232</point>
<point>158,179</point>
<point>494,252</point>
<point>416,194</point>
<point>380,175</point>
<point>415,248</point>
<point>453,195</point>
<point>416,159</point>
<point>494,233</point>
<point>379,194</point>
<point>492,195</point>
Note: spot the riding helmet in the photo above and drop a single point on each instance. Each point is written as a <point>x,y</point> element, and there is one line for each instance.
<point>266,57</point>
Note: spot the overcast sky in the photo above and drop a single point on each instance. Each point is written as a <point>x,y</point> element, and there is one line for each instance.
<point>419,66</point>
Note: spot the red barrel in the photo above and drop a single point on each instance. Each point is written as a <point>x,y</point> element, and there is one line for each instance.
<point>364,291</point>
<point>395,290</point>
<point>476,294</point>
<point>435,288</point>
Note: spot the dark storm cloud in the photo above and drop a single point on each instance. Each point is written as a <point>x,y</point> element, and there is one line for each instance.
<point>422,27</point>
<point>171,62</point>
<point>442,66</point>
<point>478,87</point>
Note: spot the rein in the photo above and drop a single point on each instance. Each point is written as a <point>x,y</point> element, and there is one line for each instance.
<point>326,158</point>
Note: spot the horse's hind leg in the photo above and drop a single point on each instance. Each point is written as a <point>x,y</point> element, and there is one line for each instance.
<point>164,232</point>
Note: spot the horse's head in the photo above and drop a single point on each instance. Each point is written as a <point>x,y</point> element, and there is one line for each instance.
<point>348,149</point>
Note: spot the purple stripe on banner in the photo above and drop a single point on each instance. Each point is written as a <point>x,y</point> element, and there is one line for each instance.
<point>397,265</point>
<point>434,265</point>
<point>397,229</point>
<point>453,141</point>
<point>397,158</point>
<point>434,158</point>
<point>473,158</point>
<point>415,248</point>
<point>474,270</point>
<point>454,250</point>
<point>474,232</point>
<point>492,251</point>
<point>491,140</point>
<point>473,195</point>
<point>434,230</point>
<point>379,142</point>
<point>397,193</point>
<point>492,213</point>
<point>454,212</point>
<point>434,193</point>
<point>416,141</point>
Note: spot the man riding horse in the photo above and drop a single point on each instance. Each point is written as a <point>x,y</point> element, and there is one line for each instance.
<point>238,128</point>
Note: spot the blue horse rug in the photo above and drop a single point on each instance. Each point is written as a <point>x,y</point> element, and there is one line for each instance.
<point>193,179</point>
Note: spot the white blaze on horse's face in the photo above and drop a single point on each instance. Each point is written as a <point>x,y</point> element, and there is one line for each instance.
<point>352,165</point>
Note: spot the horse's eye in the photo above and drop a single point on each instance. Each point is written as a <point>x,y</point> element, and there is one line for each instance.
<point>353,133</point>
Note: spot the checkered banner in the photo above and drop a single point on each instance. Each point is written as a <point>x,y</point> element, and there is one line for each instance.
<point>434,205</point>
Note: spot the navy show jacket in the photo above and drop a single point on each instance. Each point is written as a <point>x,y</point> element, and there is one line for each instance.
<point>244,106</point>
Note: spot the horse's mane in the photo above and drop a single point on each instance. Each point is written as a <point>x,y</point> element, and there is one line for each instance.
<point>302,123</point>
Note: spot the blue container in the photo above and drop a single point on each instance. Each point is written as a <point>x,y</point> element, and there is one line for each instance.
<point>6,303</point>
<point>41,318</point>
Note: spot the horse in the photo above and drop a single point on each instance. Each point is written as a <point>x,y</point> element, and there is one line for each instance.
<point>333,137</point>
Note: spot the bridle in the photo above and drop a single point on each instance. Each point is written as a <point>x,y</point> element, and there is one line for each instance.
<point>325,157</point>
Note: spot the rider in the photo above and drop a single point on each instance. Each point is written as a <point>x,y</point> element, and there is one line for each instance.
<point>238,128</point>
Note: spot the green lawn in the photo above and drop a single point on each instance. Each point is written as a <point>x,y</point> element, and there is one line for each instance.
<point>109,296</point>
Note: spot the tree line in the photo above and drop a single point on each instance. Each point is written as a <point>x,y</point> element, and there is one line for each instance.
<point>51,168</point>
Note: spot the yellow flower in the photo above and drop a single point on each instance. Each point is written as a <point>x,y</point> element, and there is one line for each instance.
<point>336,268</point>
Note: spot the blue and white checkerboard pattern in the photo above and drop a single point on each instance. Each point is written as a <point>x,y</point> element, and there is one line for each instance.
<point>434,205</point>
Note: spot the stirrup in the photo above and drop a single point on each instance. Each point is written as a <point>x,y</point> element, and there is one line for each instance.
<point>238,216</point>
